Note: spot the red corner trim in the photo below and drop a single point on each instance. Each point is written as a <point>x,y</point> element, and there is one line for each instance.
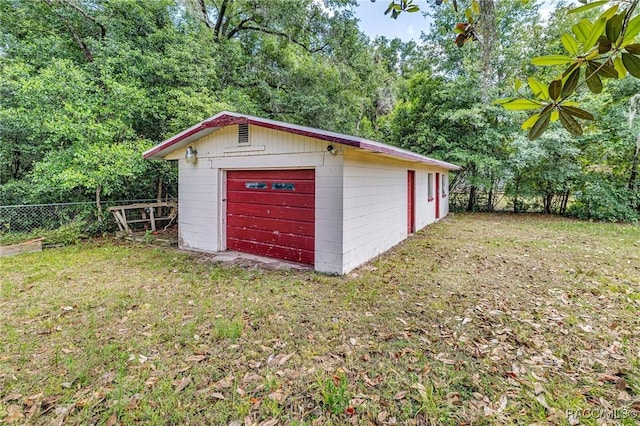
<point>225,120</point>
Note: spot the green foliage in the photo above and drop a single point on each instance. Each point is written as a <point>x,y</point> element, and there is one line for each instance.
<point>227,329</point>
<point>85,89</point>
<point>600,47</point>
<point>64,235</point>
<point>334,393</point>
<point>602,199</point>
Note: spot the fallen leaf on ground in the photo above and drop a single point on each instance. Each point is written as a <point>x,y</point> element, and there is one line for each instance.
<point>196,358</point>
<point>151,381</point>
<point>112,420</point>
<point>181,384</point>
<point>14,414</point>
<point>400,395</point>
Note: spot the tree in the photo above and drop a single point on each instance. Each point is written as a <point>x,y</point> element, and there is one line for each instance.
<point>600,47</point>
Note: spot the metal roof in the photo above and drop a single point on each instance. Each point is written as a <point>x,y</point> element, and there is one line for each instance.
<point>226,118</point>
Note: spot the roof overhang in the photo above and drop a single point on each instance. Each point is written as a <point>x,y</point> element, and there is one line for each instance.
<point>226,118</point>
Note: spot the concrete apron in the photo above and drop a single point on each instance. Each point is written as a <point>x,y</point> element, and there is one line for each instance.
<point>252,260</point>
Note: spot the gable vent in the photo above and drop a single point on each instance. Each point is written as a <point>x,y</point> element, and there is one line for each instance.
<point>243,134</point>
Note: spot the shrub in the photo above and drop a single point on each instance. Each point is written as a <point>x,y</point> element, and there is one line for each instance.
<point>604,200</point>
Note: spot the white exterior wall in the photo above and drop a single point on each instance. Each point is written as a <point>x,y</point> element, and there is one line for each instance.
<point>198,191</point>
<point>375,204</point>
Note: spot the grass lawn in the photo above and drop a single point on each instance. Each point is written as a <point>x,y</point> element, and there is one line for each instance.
<point>478,319</point>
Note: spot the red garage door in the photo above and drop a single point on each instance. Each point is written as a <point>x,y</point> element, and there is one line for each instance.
<point>272,213</point>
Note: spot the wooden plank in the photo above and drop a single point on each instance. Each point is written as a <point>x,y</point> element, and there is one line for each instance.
<point>32,246</point>
<point>153,219</point>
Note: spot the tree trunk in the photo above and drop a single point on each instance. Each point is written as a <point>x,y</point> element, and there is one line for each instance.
<point>159,196</point>
<point>634,167</point>
<point>487,30</point>
<point>546,201</point>
<point>565,201</point>
<point>99,203</point>
<point>515,197</point>
<point>471,205</point>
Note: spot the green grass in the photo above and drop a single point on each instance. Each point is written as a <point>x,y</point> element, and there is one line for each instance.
<point>462,323</point>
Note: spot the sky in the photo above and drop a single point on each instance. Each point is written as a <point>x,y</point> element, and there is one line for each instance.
<point>408,26</point>
<point>374,22</point>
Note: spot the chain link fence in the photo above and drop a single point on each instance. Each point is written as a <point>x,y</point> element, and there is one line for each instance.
<point>28,218</point>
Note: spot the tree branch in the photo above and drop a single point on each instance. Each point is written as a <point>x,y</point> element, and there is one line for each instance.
<point>203,12</point>
<point>76,37</point>
<point>103,29</point>
<point>242,27</point>
<point>221,13</point>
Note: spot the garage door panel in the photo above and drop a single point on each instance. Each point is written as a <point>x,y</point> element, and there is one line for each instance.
<point>272,174</point>
<point>272,213</point>
<point>265,185</point>
<point>287,253</point>
<point>271,198</point>
<point>271,237</point>
<point>268,224</point>
<point>299,214</point>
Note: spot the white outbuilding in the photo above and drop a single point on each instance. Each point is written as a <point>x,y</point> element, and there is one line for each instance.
<point>277,189</point>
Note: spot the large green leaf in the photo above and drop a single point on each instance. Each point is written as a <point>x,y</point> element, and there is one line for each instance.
<point>619,66</point>
<point>555,88</point>
<point>529,122</point>
<point>595,33</point>
<point>538,89</point>
<point>632,64</point>
<point>570,123</point>
<point>594,83</point>
<point>633,48</point>
<point>582,30</point>
<point>589,6</point>
<point>551,60</point>
<point>633,28</point>
<point>521,104</point>
<point>571,83</point>
<point>614,27</point>
<point>540,125</point>
<point>604,45</point>
<point>569,43</point>
<point>609,13</point>
<point>605,69</point>
<point>578,112</point>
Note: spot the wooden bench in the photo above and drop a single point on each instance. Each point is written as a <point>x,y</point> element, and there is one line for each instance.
<point>168,212</point>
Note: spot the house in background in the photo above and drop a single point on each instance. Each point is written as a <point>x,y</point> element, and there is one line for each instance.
<point>292,192</point>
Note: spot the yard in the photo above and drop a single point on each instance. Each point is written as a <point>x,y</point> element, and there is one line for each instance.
<point>478,319</point>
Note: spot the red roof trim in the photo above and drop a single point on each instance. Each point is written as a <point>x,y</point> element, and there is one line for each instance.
<point>227,119</point>
<point>222,121</point>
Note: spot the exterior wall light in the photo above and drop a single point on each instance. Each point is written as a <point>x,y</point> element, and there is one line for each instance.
<point>190,155</point>
<point>332,150</point>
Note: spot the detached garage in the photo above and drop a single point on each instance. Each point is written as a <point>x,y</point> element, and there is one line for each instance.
<point>276,189</point>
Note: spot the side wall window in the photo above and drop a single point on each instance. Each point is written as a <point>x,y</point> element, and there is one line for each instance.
<point>445,184</point>
<point>430,187</point>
